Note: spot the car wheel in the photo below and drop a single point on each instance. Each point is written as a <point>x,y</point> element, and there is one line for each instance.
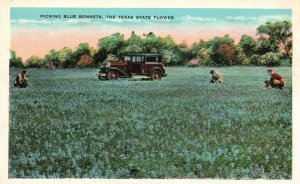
<point>112,75</point>
<point>156,75</point>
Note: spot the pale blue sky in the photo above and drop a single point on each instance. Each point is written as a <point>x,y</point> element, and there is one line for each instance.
<point>31,16</point>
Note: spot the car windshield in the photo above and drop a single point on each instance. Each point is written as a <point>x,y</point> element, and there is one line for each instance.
<point>152,59</point>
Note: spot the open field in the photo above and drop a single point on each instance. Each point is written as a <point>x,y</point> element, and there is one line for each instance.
<point>70,124</point>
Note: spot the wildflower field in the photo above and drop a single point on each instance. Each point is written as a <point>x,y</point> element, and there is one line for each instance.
<point>71,125</point>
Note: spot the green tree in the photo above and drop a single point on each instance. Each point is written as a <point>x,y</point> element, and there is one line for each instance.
<point>203,55</point>
<point>278,32</point>
<point>170,57</point>
<point>99,56</point>
<point>197,46</point>
<point>266,45</point>
<point>169,43</point>
<point>185,51</point>
<point>112,44</point>
<point>52,58</point>
<point>171,52</point>
<point>152,44</point>
<point>133,45</point>
<point>34,62</point>
<point>222,50</point>
<point>241,58</point>
<point>14,60</point>
<point>66,58</point>
<point>82,49</point>
<point>248,45</point>
<point>268,59</point>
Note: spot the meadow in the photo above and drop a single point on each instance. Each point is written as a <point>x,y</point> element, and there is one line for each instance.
<point>71,125</point>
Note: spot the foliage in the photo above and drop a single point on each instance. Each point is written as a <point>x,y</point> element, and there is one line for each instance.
<point>241,58</point>
<point>224,55</point>
<point>202,52</point>
<point>110,58</point>
<point>152,44</point>
<point>52,57</point>
<point>133,45</point>
<point>248,44</point>
<point>67,58</point>
<point>82,49</point>
<point>112,44</point>
<point>180,127</point>
<point>132,49</point>
<point>99,56</point>
<point>278,32</point>
<point>204,56</point>
<point>85,61</point>
<point>215,43</point>
<point>219,51</point>
<point>266,45</point>
<point>14,60</point>
<point>33,62</point>
<point>268,59</point>
<point>170,57</point>
<point>193,62</point>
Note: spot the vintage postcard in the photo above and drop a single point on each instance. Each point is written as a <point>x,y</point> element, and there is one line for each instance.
<point>184,92</point>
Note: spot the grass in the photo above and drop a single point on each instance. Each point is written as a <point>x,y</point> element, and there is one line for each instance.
<point>70,124</point>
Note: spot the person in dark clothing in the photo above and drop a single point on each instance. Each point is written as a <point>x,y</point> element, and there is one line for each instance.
<point>276,80</point>
<point>21,80</point>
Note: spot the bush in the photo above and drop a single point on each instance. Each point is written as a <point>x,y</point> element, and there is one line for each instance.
<point>241,58</point>
<point>194,62</point>
<point>14,60</point>
<point>268,59</point>
<point>170,57</point>
<point>110,58</point>
<point>204,56</point>
<point>34,62</point>
<point>85,61</point>
<point>51,65</point>
<point>224,55</point>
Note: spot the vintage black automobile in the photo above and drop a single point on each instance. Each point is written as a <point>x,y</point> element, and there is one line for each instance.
<point>132,65</point>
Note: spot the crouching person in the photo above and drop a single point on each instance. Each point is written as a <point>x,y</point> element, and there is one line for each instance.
<point>276,80</point>
<point>21,80</point>
<point>216,77</point>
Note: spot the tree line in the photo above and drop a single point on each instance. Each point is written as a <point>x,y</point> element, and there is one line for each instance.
<point>273,43</point>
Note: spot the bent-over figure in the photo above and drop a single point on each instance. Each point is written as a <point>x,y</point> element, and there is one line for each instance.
<point>21,80</point>
<point>276,80</point>
<point>216,77</point>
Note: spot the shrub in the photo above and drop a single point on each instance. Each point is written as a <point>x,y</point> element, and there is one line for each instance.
<point>170,57</point>
<point>51,65</point>
<point>204,56</point>
<point>194,62</point>
<point>34,62</point>
<point>224,55</point>
<point>241,58</point>
<point>268,59</point>
<point>14,60</point>
<point>110,58</point>
<point>85,61</point>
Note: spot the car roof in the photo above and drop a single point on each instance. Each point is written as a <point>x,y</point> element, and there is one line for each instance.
<point>143,54</point>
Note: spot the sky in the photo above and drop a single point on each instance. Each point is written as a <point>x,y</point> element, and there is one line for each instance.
<point>35,31</point>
